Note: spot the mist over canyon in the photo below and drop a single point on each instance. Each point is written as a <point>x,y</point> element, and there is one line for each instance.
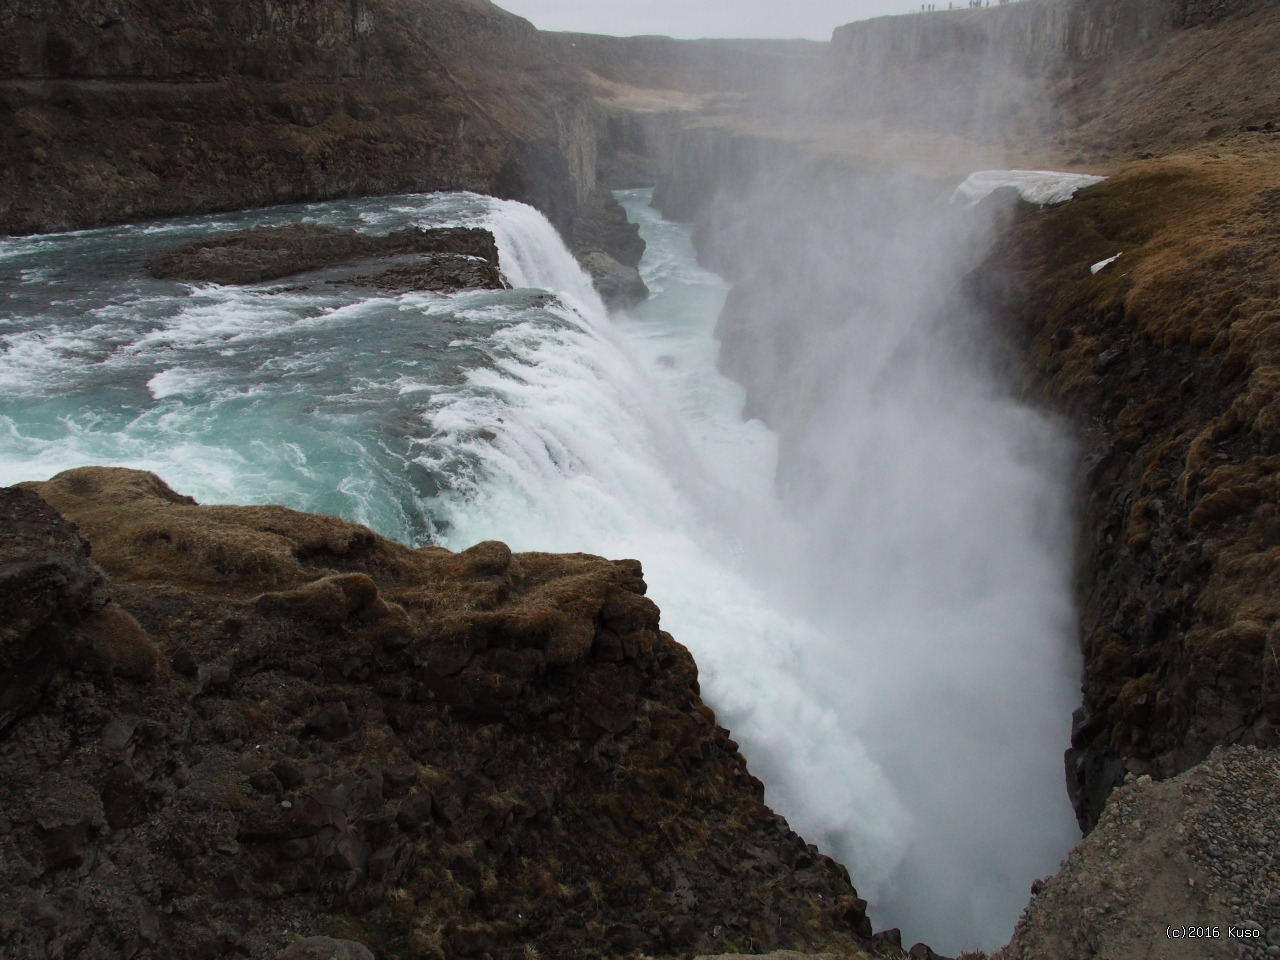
<point>899,467</point>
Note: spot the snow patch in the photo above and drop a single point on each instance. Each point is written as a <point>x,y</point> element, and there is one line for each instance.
<point>1041,187</point>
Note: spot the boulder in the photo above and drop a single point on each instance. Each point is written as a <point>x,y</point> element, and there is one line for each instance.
<point>617,284</point>
<point>47,587</point>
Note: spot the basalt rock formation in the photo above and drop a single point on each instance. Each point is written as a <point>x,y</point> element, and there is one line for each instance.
<point>1082,81</point>
<point>610,247</point>
<point>1166,361</point>
<point>229,727</point>
<point>142,109</point>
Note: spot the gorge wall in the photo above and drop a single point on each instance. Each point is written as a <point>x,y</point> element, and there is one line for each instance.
<point>1079,80</point>
<point>1160,364</point>
<point>1165,362</point>
<point>139,109</point>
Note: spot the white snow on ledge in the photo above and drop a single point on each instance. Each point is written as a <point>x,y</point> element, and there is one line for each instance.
<point>1042,187</point>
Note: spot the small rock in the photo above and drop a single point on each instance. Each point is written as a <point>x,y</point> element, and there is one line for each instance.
<point>183,661</point>
<point>117,734</point>
<point>330,722</point>
<point>211,677</point>
<point>288,773</point>
<point>264,781</point>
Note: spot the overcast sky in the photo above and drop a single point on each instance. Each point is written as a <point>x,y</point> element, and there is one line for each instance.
<point>813,19</point>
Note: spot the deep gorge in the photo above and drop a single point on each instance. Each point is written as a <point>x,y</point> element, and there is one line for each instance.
<point>1143,394</point>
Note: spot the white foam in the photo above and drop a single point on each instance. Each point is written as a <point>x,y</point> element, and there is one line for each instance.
<point>584,441</point>
<point>531,254</point>
<point>176,381</point>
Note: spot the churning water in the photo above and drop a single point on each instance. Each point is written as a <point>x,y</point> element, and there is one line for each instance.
<point>532,416</point>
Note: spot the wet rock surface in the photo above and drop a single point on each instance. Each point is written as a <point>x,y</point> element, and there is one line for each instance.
<point>618,285</point>
<point>420,752</point>
<point>609,247</point>
<point>441,259</point>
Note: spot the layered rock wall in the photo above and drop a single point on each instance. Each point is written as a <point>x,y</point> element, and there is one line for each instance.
<point>1035,36</point>
<point>138,109</point>
<point>1090,77</point>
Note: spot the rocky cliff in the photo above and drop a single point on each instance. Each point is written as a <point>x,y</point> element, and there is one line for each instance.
<point>1166,362</point>
<point>1085,80</point>
<point>137,109</point>
<point>228,727</point>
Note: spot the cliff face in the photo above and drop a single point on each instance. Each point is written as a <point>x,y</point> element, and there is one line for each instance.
<point>136,109</point>
<point>1167,363</point>
<point>1034,36</point>
<point>249,724</point>
<point>1087,80</point>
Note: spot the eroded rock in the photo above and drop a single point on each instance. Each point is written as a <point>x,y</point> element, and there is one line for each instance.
<point>466,753</point>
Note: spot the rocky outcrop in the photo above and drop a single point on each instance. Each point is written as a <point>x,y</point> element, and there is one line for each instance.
<point>48,589</point>
<point>441,259</point>
<point>289,726</point>
<point>609,247</point>
<point>1184,864</point>
<point>141,108</point>
<point>1166,362</point>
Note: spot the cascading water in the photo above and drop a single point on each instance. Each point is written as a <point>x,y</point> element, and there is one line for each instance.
<point>541,421</point>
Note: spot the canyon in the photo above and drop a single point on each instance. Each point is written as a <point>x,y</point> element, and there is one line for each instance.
<point>162,657</point>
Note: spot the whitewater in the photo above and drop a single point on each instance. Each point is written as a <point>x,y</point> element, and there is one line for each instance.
<point>533,416</point>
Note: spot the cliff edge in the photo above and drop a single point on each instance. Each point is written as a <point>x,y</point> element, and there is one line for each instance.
<point>1166,361</point>
<point>237,726</point>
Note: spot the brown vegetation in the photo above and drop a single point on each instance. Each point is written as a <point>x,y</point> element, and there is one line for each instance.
<point>262,723</point>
